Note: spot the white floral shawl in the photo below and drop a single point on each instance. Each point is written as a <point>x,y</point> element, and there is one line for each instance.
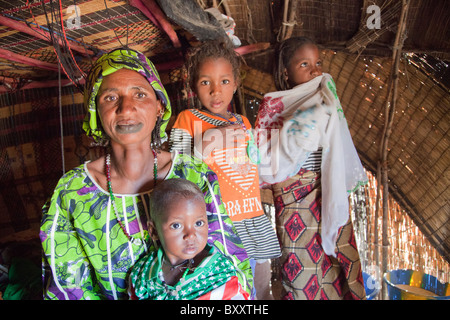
<point>301,120</point>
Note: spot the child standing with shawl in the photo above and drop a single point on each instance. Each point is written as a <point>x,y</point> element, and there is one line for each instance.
<point>311,165</point>
<point>225,141</point>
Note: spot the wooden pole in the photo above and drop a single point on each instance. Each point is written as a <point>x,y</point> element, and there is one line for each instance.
<point>291,21</point>
<point>282,31</point>
<point>152,11</point>
<point>8,55</point>
<point>389,114</point>
<point>377,214</point>
<point>41,34</point>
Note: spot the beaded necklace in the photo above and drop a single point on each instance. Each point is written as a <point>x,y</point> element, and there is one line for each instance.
<point>252,149</point>
<point>113,198</point>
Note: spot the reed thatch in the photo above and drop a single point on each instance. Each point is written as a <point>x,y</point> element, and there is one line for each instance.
<point>408,247</point>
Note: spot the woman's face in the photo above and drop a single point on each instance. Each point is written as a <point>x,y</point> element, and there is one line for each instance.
<point>215,85</point>
<point>304,65</point>
<point>182,229</point>
<point>127,107</point>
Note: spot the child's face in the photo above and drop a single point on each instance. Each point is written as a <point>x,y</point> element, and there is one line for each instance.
<point>304,65</point>
<point>216,85</point>
<point>183,229</point>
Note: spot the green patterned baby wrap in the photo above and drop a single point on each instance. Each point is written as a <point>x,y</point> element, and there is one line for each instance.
<point>148,282</point>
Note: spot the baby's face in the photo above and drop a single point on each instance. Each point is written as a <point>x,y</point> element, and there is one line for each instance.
<point>183,229</point>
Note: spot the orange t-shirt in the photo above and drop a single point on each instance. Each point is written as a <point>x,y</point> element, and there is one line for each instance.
<point>237,174</point>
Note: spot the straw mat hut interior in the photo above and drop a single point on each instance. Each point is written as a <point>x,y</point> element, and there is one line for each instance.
<point>389,59</point>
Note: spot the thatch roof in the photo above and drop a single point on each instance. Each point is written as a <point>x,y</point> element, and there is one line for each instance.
<point>360,60</point>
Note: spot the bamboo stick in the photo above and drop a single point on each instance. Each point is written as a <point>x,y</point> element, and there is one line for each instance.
<point>41,34</point>
<point>5,54</point>
<point>377,213</point>
<point>282,31</point>
<point>291,20</point>
<point>389,114</point>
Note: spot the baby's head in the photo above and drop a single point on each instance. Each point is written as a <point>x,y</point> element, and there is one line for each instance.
<point>297,61</point>
<point>178,219</point>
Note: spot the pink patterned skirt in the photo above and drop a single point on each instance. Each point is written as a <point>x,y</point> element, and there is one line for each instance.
<point>306,272</point>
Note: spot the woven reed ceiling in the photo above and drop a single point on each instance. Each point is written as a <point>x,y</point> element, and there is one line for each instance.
<point>358,58</point>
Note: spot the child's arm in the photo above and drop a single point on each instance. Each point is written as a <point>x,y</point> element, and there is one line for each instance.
<point>190,136</point>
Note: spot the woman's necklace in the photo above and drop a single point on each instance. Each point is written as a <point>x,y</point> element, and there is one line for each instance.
<point>113,199</point>
<point>252,150</point>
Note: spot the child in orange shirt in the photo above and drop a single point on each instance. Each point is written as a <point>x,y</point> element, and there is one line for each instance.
<point>225,142</point>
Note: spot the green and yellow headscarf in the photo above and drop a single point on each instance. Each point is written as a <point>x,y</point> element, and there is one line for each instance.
<point>110,63</point>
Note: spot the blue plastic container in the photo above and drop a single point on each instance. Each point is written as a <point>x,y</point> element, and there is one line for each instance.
<point>416,279</point>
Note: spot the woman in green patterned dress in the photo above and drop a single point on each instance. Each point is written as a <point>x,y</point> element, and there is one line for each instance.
<point>94,228</point>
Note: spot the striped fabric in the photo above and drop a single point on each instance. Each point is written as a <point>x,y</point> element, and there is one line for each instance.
<point>243,176</point>
<point>258,228</point>
<point>314,161</point>
<point>206,118</point>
